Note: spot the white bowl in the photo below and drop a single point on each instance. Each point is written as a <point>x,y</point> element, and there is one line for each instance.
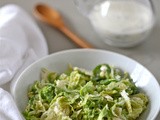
<point>88,59</point>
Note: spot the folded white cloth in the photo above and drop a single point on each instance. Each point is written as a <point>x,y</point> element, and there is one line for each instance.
<point>18,34</point>
<point>8,109</point>
<point>21,43</point>
<point>13,47</point>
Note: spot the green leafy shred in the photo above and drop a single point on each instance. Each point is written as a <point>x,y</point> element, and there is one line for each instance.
<point>106,93</point>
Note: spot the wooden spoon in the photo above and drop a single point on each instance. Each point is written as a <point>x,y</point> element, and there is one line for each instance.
<point>52,17</point>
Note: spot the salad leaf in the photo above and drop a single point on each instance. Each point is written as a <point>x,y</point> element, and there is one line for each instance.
<point>105,93</point>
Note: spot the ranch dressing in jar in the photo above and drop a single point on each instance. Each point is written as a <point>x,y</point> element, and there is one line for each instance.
<point>122,23</point>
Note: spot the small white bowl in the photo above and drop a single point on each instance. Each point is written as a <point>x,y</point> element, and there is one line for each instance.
<point>88,59</point>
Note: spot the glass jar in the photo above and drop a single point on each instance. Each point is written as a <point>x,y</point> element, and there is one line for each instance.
<point>120,23</point>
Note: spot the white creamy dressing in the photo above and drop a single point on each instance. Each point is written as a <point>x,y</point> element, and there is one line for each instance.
<point>122,21</point>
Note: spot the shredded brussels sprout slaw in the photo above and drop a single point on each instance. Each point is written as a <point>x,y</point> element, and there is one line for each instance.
<point>106,93</point>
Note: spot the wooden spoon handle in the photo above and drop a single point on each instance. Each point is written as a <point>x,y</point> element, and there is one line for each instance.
<point>75,38</point>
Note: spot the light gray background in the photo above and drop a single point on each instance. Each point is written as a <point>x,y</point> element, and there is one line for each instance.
<point>148,53</point>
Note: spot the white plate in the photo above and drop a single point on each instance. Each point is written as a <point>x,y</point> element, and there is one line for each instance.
<point>88,59</point>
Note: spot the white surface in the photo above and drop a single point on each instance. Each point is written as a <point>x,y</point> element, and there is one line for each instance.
<point>88,59</point>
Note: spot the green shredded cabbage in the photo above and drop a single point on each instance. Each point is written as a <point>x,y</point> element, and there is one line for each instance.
<point>106,93</point>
